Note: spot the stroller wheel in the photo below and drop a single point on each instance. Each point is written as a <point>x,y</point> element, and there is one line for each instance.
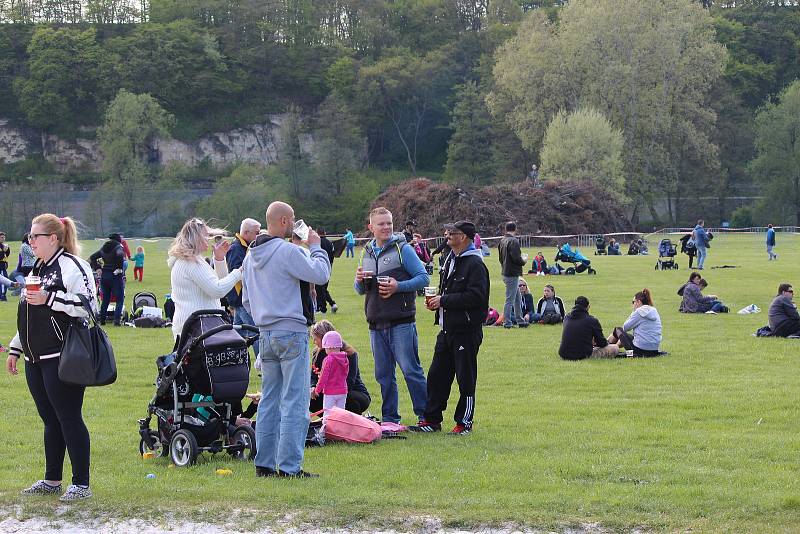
<point>158,450</point>
<point>245,437</point>
<point>183,448</point>
<point>570,270</point>
<point>591,271</point>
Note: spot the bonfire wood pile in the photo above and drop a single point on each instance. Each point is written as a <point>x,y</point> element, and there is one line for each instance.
<point>552,209</point>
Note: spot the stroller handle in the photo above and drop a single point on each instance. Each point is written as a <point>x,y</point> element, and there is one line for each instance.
<point>221,328</point>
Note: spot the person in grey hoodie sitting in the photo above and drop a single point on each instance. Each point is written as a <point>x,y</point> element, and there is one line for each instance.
<point>693,299</point>
<point>645,323</point>
<point>784,320</point>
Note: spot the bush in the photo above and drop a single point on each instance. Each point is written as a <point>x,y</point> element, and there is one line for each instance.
<point>742,217</point>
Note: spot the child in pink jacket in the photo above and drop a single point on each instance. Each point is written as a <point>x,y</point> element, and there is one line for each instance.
<point>333,377</point>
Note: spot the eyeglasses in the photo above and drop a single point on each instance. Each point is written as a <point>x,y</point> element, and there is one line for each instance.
<point>33,237</point>
<point>790,290</point>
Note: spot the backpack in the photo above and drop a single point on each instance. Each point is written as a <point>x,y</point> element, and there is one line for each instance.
<point>341,425</point>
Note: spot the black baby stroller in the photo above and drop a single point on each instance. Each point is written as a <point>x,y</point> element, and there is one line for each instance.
<point>197,388</point>
<point>600,243</point>
<point>579,262</point>
<point>666,255</point>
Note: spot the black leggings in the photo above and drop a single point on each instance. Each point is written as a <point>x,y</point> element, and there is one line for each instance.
<point>59,406</point>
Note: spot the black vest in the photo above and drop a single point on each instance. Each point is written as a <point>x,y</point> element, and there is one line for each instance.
<point>399,308</point>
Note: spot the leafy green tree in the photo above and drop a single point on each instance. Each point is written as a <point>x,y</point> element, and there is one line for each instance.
<point>68,78</point>
<point>407,91</point>
<point>293,159</point>
<point>777,163</point>
<point>647,66</point>
<point>246,192</point>
<point>583,145</point>
<point>469,154</point>
<point>127,140</point>
<point>131,125</point>
<point>339,147</point>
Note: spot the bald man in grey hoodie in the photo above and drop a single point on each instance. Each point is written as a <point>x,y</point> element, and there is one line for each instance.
<point>271,293</point>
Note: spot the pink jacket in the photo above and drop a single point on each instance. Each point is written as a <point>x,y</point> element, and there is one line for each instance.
<point>333,378</point>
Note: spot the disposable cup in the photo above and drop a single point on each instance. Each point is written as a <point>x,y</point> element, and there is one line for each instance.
<point>33,283</point>
<point>301,229</point>
<point>383,280</point>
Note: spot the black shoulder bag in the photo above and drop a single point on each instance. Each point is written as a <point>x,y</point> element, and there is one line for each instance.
<point>87,358</point>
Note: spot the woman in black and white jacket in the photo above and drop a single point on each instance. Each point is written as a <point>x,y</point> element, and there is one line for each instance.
<point>42,320</point>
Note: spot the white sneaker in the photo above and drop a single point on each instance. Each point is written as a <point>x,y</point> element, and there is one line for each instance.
<point>334,308</point>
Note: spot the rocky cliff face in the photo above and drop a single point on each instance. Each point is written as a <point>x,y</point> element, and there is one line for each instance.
<point>257,143</point>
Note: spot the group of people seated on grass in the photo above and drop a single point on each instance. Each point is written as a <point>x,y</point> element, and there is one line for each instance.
<point>549,309</point>
<point>639,336</point>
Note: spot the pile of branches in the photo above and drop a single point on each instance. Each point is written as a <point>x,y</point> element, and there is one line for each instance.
<point>552,209</point>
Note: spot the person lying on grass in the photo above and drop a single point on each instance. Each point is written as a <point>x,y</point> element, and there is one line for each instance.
<point>645,323</point>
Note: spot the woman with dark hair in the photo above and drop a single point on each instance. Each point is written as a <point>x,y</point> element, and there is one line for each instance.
<point>784,321</point>
<point>693,299</point>
<point>43,316</point>
<point>550,308</point>
<point>644,322</point>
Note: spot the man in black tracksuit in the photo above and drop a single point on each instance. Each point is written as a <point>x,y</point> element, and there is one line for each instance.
<point>461,307</point>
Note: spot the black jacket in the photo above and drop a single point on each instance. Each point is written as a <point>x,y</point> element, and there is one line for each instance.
<point>112,254</point>
<point>464,290</point>
<point>580,329</point>
<point>41,329</point>
<point>327,246</point>
<point>234,257</point>
<point>510,255</point>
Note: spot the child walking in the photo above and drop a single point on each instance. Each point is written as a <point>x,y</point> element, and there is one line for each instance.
<point>333,377</point>
<point>138,268</point>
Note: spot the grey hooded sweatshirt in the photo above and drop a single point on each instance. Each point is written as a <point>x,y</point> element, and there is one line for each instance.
<point>273,271</point>
<point>646,325</point>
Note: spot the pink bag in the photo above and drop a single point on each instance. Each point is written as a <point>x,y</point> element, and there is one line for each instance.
<point>341,425</point>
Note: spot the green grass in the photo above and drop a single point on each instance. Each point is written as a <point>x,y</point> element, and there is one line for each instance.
<point>703,439</point>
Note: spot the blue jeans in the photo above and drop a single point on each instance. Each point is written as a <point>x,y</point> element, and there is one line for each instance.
<point>348,251</point>
<point>513,305</point>
<point>398,345</point>
<point>282,422</point>
<point>701,256</point>
<point>717,306</point>
<point>769,251</point>
<point>3,289</point>
<point>240,316</point>
<point>112,284</point>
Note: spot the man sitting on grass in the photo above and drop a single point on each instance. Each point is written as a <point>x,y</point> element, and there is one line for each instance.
<point>784,320</point>
<point>582,336</point>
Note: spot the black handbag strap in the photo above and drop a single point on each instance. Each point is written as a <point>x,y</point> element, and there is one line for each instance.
<point>88,307</point>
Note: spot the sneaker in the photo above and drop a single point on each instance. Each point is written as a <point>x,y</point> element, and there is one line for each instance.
<point>265,472</point>
<point>523,324</point>
<point>3,298</point>
<point>508,326</point>
<point>334,308</point>
<point>299,474</point>
<point>460,430</point>
<point>76,493</point>
<point>42,488</point>
<point>425,426</point>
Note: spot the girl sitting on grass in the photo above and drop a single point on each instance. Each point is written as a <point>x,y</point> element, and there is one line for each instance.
<point>645,323</point>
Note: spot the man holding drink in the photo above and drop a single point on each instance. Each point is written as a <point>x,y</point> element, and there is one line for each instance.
<point>389,276</point>
<point>461,308</point>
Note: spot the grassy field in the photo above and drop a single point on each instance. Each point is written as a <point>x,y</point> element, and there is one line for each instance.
<point>705,438</point>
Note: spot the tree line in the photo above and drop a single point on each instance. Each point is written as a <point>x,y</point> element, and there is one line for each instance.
<point>653,100</point>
